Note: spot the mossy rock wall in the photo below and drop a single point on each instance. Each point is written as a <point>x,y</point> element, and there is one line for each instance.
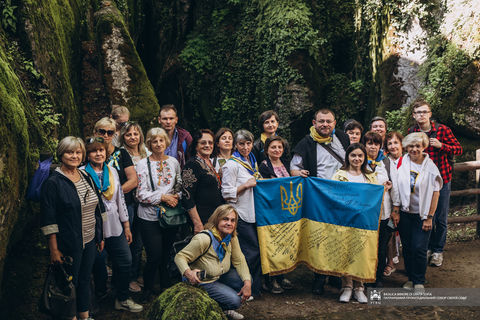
<point>124,74</point>
<point>54,34</point>
<point>14,147</point>
<point>185,302</point>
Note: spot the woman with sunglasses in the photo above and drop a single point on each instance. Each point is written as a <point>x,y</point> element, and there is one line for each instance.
<point>116,227</point>
<point>201,182</point>
<point>119,159</point>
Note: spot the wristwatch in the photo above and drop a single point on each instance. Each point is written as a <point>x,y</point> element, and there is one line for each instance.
<point>430,216</point>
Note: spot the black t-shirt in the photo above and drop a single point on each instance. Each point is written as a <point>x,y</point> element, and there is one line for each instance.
<point>120,159</point>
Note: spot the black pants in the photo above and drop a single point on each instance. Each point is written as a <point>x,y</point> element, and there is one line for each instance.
<point>248,239</point>
<point>383,238</point>
<point>157,242</point>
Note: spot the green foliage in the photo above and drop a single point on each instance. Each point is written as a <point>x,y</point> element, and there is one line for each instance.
<point>196,56</point>
<point>397,120</point>
<point>244,57</point>
<point>442,73</point>
<point>8,18</point>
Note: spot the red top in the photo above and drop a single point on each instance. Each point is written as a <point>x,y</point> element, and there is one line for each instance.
<point>450,146</point>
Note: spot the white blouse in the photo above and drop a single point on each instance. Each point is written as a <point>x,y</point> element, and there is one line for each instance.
<point>234,175</point>
<point>166,176</point>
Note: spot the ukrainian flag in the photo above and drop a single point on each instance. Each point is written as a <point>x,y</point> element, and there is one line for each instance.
<point>331,226</point>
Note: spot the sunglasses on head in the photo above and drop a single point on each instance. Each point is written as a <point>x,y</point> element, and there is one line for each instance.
<point>95,139</point>
<point>108,132</point>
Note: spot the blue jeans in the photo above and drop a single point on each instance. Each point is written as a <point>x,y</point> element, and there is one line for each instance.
<point>81,271</point>
<point>415,243</point>
<point>131,212</point>
<point>119,252</point>
<point>248,239</point>
<point>225,290</point>
<point>439,231</point>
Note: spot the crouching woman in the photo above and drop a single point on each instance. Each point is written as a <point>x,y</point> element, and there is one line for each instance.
<point>206,261</point>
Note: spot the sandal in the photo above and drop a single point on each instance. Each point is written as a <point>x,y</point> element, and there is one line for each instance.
<point>389,270</point>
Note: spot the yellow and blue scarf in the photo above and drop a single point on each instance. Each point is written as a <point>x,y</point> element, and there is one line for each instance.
<point>250,164</point>
<point>221,247</point>
<point>379,158</point>
<point>108,187</point>
<point>318,138</point>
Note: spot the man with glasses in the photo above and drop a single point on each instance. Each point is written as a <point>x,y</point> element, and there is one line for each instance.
<point>179,137</point>
<point>443,146</point>
<point>121,115</point>
<point>320,154</point>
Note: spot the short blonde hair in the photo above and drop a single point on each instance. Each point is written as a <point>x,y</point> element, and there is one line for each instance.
<point>415,137</point>
<point>105,122</point>
<point>70,143</point>
<point>220,213</point>
<point>118,111</point>
<point>156,132</point>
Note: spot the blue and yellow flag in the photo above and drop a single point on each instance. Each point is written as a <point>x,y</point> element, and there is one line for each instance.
<point>331,226</point>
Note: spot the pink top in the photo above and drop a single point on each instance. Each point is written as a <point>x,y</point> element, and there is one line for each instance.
<point>281,172</point>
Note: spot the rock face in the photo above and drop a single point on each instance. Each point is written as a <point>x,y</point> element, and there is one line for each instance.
<point>185,302</point>
<point>436,46</point>
<point>44,64</point>
<point>123,72</point>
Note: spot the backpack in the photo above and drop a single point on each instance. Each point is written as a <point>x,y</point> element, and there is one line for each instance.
<point>39,177</point>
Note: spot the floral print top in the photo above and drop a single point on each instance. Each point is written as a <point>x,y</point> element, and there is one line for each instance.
<point>166,176</point>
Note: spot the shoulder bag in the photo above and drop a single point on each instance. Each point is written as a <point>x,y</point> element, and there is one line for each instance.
<point>168,217</point>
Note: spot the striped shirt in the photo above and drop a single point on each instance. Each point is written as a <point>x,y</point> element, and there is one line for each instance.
<point>89,201</point>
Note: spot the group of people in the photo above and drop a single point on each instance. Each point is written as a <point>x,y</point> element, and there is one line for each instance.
<point>107,191</point>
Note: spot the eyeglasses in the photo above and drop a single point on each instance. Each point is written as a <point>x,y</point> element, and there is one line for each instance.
<point>107,132</point>
<point>421,112</point>
<point>325,121</point>
<point>95,139</point>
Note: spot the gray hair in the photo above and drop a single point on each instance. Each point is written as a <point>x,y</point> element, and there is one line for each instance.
<point>242,135</point>
<point>415,137</point>
<point>156,132</point>
<point>70,143</point>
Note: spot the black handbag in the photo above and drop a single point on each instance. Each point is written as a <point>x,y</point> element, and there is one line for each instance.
<point>58,298</point>
<point>168,217</point>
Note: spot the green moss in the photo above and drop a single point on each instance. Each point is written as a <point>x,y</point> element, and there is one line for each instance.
<point>185,302</point>
<point>14,148</point>
<point>53,29</point>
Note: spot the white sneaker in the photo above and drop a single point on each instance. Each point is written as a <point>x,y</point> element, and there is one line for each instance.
<point>346,295</point>
<point>395,260</point>
<point>128,305</point>
<point>251,298</point>
<point>419,287</point>
<point>359,295</point>
<point>234,315</point>
<point>437,259</point>
<point>408,285</point>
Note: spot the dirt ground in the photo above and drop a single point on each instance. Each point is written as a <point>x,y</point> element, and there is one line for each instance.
<point>21,290</point>
<point>460,270</point>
